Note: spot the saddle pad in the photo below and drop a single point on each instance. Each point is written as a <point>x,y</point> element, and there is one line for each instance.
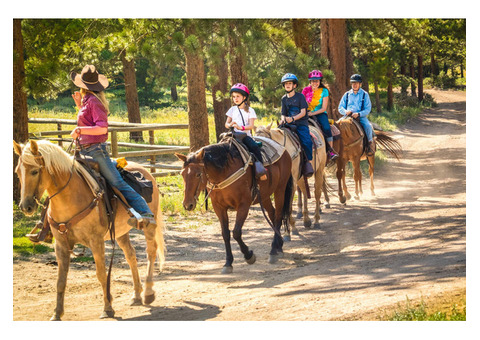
<point>318,140</point>
<point>92,183</point>
<point>271,150</point>
<point>359,127</point>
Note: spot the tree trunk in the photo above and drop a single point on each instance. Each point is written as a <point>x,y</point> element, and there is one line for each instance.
<point>412,75</point>
<point>335,47</point>
<point>197,103</point>
<point>420,77</point>
<point>433,67</point>
<point>301,35</point>
<point>20,110</point>
<point>377,97</point>
<point>220,105</point>
<point>173,93</point>
<point>237,56</point>
<point>390,89</point>
<point>131,95</point>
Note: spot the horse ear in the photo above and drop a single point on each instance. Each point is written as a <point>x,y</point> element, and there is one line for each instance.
<point>200,154</point>
<point>254,128</point>
<point>181,157</point>
<point>34,147</point>
<point>269,126</point>
<point>17,148</point>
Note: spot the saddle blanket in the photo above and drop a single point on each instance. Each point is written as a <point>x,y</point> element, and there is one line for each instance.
<point>271,151</point>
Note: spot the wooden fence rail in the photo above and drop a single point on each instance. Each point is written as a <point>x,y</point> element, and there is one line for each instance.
<point>114,128</point>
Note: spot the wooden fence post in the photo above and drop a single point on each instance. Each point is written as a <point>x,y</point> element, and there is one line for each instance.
<point>151,140</point>
<point>59,128</point>
<point>114,144</point>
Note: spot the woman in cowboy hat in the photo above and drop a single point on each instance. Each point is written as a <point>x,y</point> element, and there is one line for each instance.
<point>92,133</point>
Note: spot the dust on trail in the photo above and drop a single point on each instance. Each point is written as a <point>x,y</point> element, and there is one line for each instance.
<point>408,240</point>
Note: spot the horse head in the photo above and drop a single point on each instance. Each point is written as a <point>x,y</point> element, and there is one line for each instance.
<point>194,178</point>
<point>32,175</point>
<point>264,131</point>
<point>348,130</point>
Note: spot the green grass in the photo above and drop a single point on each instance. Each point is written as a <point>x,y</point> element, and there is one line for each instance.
<point>22,225</point>
<point>421,312</point>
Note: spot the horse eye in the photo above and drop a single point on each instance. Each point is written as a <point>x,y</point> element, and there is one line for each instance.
<point>34,172</point>
<point>199,174</point>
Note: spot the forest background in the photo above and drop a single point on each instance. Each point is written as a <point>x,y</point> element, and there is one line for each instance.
<point>181,70</point>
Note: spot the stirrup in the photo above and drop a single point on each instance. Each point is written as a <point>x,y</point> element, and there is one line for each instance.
<point>44,235</point>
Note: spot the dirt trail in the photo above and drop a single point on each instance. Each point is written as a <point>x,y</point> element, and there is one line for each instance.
<point>408,240</point>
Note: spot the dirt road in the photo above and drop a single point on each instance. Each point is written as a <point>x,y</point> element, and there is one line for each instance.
<point>408,240</point>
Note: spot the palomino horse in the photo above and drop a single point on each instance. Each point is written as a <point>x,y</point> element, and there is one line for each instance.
<point>232,186</point>
<point>319,160</point>
<point>354,150</point>
<point>45,167</point>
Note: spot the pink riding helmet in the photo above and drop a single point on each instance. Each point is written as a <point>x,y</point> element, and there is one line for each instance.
<point>240,88</point>
<point>315,74</point>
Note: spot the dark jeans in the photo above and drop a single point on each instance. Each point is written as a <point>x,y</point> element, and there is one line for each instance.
<point>253,147</point>
<point>322,119</point>
<point>304,134</point>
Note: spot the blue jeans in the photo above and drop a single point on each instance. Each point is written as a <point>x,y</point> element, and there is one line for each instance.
<point>367,127</point>
<point>108,170</point>
<point>304,135</point>
<point>322,119</point>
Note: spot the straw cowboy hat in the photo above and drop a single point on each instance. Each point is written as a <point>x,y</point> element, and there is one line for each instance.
<point>90,79</point>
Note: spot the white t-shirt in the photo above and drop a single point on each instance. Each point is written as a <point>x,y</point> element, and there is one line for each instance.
<point>234,113</point>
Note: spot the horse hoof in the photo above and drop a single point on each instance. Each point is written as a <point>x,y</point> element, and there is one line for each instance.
<point>316,225</point>
<point>136,302</point>
<point>272,259</point>
<point>326,205</point>
<point>295,232</point>
<point>252,259</point>
<point>227,270</point>
<point>357,198</point>
<point>107,314</point>
<point>307,224</point>
<point>299,215</point>
<point>287,238</point>
<point>55,318</point>
<point>148,299</point>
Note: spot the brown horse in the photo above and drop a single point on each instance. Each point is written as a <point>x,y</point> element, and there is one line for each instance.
<point>351,147</point>
<point>319,160</point>
<point>232,186</point>
<point>45,167</point>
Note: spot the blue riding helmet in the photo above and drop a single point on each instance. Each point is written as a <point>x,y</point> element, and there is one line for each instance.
<point>356,78</point>
<point>289,77</point>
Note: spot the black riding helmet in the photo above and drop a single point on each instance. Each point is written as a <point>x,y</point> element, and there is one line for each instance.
<point>356,78</point>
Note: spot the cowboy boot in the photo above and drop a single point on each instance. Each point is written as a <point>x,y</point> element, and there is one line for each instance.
<point>371,148</point>
<point>307,169</point>
<point>260,171</point>
<point>141,221</point>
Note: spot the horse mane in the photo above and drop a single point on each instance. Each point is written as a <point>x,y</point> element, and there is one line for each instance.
<point>55,158</point>
<point>218,155</point>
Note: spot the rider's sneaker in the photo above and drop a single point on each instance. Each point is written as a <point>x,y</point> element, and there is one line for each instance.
<point>332,155</point>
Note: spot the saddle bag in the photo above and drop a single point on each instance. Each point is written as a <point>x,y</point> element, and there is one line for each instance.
<point>139,183</point>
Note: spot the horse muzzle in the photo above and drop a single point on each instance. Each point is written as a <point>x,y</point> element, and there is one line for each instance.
<point>28,206</point>
<point>189,206</point>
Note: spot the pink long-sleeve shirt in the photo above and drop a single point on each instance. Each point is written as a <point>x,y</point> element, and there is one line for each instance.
<point>92,113</point>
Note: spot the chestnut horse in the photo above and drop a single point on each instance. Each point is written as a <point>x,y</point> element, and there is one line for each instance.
<point>352,148</point>
<point>318,162</point>
<point>232,185</point>
<point>45,167</point>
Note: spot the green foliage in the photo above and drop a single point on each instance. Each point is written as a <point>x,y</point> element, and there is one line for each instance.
<point>419,313</point>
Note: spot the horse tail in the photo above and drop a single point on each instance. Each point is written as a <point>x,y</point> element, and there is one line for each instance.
<point>159,239</point>
<point>287,206</point>
<point>389,144</point>
<point>327,187</point>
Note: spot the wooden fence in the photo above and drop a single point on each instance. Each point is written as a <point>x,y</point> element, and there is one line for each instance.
<point>150,150</point>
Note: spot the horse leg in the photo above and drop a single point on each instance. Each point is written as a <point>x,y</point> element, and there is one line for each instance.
<point>341,178</point>
<point>223,217</point>
<point>307,223</point>
<point>357,176</point>
<point>319,184</point>
<point>127,248</point>
<point>299,203</point>
<point>291,220</point>
<point>98,250</point>
<point>63,260</point>
<point>242,214</point>
<point>275,215</point>
<point>371,163</point>
<point>149,232</point>
<point>325,193</point>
